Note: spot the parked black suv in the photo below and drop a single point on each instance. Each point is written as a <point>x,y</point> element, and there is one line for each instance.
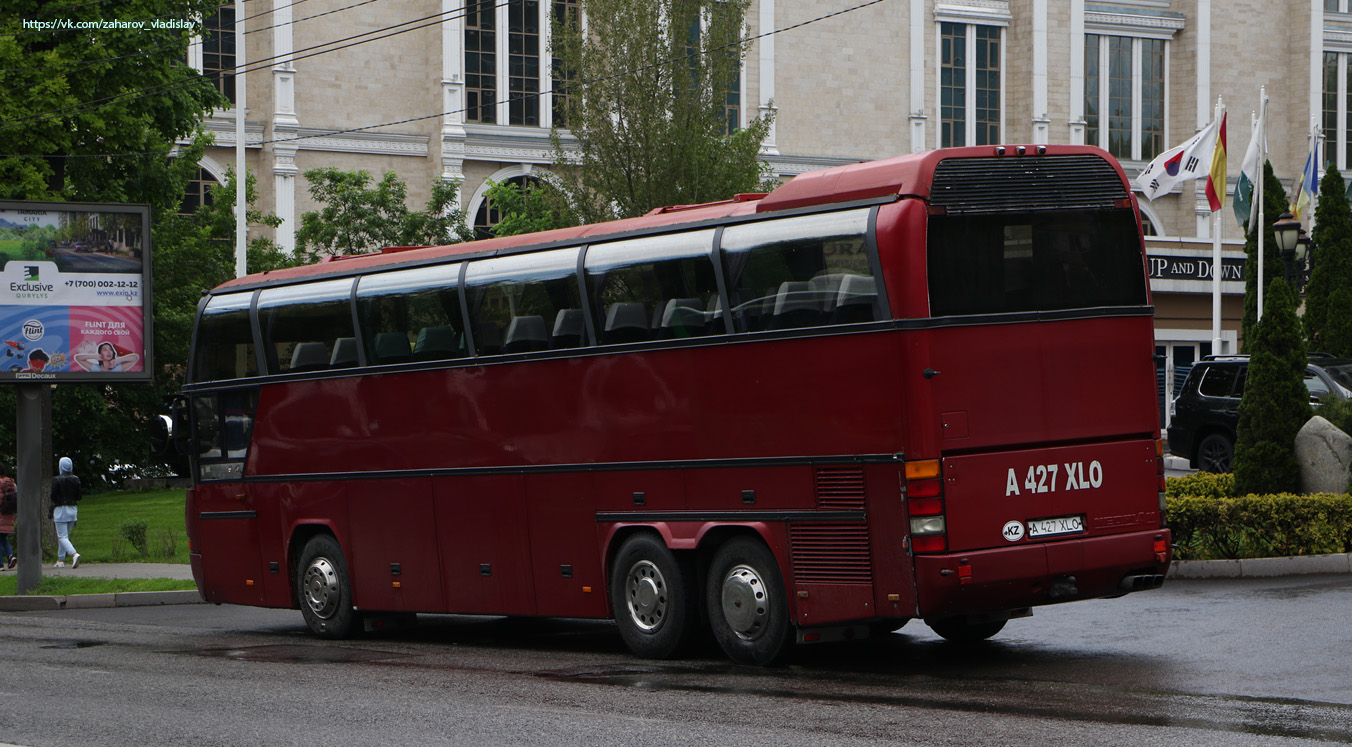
<point>1203,416</point>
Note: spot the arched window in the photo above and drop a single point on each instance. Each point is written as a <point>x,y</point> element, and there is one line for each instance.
<point>197,193</point>
<point>488,216</point>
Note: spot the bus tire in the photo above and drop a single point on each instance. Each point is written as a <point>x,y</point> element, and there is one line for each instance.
<point>887,626</point>
<point>748,608</point>
<point>963,630</point>
<point>324,589</point>
<point>653,596</point>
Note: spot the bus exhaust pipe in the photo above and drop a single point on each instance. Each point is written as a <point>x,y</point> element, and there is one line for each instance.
<point>1141,582</point>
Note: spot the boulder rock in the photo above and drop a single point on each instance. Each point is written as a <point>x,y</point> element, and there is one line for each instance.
<point>1324,453</point>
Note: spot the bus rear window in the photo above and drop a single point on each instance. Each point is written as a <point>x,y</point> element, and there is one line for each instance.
<point>225,344</point>
<point>993,264</point>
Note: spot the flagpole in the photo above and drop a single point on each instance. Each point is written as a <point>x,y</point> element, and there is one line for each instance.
<point>1259,187</point>
<point>1216,343</point>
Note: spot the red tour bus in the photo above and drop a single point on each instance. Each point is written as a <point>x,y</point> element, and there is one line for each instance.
<point>922,387</point>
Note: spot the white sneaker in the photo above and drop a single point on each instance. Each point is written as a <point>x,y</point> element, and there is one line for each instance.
<point>75,560</point>
<point>59,564</point>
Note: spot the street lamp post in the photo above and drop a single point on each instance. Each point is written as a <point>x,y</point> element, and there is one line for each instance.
<point>1287,231</point>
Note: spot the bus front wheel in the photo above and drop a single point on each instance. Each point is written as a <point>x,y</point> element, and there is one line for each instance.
<point>748,609</point>
<point>324,589</point>
<point>653,597</point>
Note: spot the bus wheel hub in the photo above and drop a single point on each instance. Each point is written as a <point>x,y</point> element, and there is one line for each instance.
<point>321,588</point>
<point>745,604</point>
<point>646,591</point>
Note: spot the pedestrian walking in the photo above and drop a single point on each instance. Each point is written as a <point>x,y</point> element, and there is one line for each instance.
<point>65,494</point>
<point>9,506</point>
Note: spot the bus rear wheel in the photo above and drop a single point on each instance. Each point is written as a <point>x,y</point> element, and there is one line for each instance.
<point>324,589</point>
<point>652,594</point>
<point>748,609</point>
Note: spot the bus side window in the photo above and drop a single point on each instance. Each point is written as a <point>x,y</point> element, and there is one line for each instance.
<point>294,319</point>
<point>660,287</point>
<point>225,344</point>
<point>411,315</point>
<point>799,272</point>
<point>515,301</point>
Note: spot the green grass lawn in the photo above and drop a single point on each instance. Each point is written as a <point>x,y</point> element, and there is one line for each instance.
<point>98,533</point>
<point>59,586</point>
<point>98,537</point>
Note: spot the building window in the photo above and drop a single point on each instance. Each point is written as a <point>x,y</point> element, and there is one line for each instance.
<point>568,20</point>
<point>1124,95</point>
<point>1337,124</point>
<point>488,216</point>
<point>197,193</point>
<point>218,50</point>
<point>969,84</point>
<point>523,63</point>
<point>481,66</point>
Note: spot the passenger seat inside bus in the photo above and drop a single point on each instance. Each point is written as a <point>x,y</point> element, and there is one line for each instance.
<point>795,306</point>
<point>392,347</point>
<point>683,317</point>
<point>626,321</point>
<point>487,338</point>
<point>569,329</point>
<point>344,353</point>
<point>309,356</point>
<point>854,300</point>
<point>526,334</point>
<point>437,343</point>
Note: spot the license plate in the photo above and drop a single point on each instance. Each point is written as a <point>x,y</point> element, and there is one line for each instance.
<point>1057,526</point>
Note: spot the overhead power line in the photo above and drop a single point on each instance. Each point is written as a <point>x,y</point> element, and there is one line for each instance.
<point>577,85</point>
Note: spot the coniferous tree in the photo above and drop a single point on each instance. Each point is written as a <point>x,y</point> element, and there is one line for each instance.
<point>1274,200</point>
<point>1332,263</point>
<point>1276,403</point>
<point>1338,328</point>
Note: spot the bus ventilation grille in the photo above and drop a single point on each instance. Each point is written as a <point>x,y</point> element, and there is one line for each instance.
<point>840,488</point>
<point>830,553</point>
<point>992,185</point>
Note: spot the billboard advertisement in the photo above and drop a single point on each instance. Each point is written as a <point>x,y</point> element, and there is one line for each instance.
<point>74,292</point>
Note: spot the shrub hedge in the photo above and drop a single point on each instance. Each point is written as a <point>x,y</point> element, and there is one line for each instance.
<point>1210,523</point>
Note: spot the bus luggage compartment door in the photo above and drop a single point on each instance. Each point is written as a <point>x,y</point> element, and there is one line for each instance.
<point>227,522</point>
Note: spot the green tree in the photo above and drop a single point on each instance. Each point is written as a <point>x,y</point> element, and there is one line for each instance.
<point>1276,403</point>
<point>90,115</point>
<point>537,206</point>
<point>659,133</point>
<point>358,218</point>
<point>1274,199</point>
<point>1332,265</point>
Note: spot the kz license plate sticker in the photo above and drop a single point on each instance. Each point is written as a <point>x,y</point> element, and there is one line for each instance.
<point>1053,527</point>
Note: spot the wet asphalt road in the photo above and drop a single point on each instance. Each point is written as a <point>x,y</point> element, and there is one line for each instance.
<point>1243,662</point>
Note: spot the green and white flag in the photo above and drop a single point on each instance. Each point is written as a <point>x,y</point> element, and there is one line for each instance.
<point>1251,173</point>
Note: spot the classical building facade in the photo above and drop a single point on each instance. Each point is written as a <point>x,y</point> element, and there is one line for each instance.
<point>444,89</point>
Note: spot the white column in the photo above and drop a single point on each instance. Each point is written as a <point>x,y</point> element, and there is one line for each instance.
<point>241,173</point>
<point>285,124</point>
<point>453,94</point>
<point>918,23</point>
<point>1077,124</point>
<point>767,74</point>
<point>1041,122</point>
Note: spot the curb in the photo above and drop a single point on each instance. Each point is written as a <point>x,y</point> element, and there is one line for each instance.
<point>97,601</point>
<point>1302,565</point>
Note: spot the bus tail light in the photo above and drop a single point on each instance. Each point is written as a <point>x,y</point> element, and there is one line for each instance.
<point>925,504</point>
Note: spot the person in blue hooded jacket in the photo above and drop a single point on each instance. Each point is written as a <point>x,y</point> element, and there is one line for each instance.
<point>65,494</point>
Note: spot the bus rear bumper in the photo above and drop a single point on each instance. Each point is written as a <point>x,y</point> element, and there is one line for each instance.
<point>1027,575</point>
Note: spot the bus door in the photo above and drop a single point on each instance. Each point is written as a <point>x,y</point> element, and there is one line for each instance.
<point>223,508</point>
